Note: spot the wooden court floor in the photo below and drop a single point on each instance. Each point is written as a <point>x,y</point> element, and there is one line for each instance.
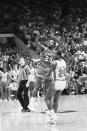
<point>72,116</point>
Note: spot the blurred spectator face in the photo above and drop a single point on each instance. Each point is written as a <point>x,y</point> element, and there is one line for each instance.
<point>15,66</point>
<point>76,59</point>
<point>22,62</point>
<point>51,42</point>
<point>85,43</point>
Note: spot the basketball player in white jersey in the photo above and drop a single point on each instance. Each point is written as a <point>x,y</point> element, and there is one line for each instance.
<point>60,79</point>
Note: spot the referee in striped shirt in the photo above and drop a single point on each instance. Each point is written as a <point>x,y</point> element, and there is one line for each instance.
<point>22,93</point>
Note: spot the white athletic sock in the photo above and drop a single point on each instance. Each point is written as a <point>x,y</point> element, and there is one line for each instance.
<point>52,115</point>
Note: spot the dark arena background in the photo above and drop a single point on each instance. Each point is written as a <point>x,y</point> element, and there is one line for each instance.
<point>62,26</point>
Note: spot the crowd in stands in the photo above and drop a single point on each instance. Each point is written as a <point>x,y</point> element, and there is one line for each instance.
<point>10,57</point>
<point>68,24</point>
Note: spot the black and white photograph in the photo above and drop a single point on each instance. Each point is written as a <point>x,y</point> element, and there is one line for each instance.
<point>43,65</point>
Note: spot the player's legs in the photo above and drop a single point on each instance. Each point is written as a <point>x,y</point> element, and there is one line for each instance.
<point>56,99</point>
<point>49,101</point>
<point>33,102</point>
<point>50,92</point>
<point>31,87</point>
<point>38,85</point>
<point>59,86</point>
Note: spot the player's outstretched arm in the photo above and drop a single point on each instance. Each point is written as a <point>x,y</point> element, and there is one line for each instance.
<point>37,40</point>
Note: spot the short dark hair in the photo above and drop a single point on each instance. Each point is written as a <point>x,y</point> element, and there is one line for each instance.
<point>59,53</point>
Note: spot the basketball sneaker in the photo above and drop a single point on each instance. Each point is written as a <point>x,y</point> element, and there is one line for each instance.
<point>52,117</point>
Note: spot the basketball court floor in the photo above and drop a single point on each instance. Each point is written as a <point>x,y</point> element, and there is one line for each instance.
<point>72,116</point>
